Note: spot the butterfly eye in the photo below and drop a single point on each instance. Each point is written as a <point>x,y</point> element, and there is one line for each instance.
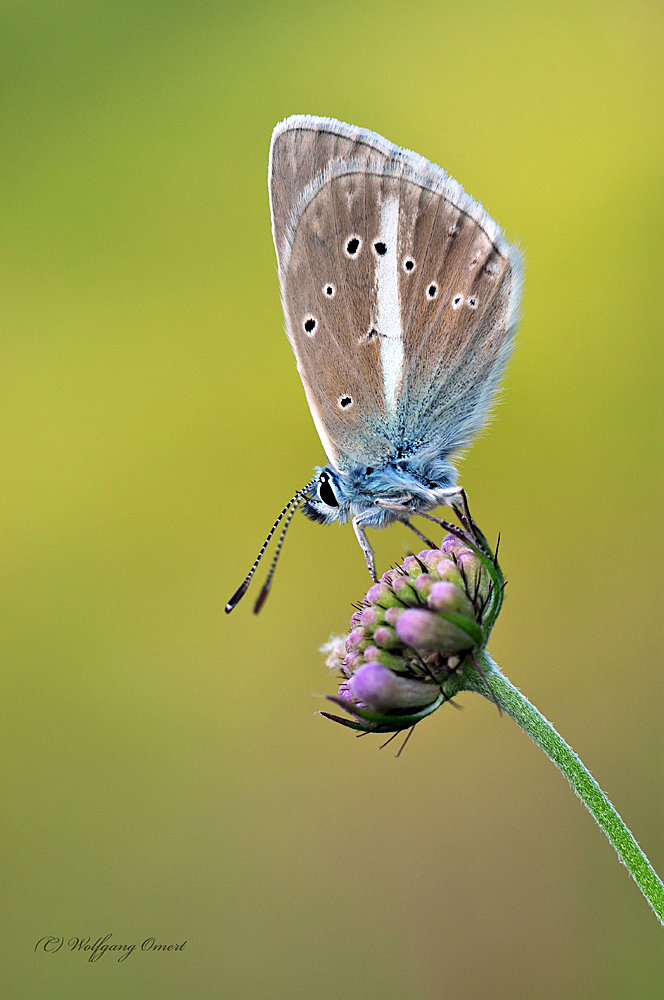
<point>329,291</point>
<point>380,249</point>
<point>409,264</point>
<point>432,291</point>
<point>325,491</point>
<point>456,301</point>
<point>472,303</point>
<point>310,325</point>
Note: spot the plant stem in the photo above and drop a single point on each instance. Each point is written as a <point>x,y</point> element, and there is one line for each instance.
<point>542,732</point>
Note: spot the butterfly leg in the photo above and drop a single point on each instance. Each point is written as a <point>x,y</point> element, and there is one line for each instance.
<point>459,503</point>
<point>427,541</point>
<point>455,497</point>
<point>366,548</point>
<point>453,492</point>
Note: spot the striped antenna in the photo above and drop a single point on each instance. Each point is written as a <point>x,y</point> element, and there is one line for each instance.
<point>289,509</point>
<point>262,597</point>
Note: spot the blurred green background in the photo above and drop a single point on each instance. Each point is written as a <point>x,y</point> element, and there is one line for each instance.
<point>164,772</point>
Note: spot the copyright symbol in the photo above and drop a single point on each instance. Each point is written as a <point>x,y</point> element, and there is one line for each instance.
<point>50,944</point>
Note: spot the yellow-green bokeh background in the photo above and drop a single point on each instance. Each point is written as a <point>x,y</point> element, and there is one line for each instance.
<point>165,773</point>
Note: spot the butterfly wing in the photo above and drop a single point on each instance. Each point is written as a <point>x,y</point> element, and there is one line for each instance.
<point>459,291</point>
<point>322,214</point>
<point>374,244</point>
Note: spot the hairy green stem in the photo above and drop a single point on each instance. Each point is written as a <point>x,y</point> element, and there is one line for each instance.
<point>540,730</point>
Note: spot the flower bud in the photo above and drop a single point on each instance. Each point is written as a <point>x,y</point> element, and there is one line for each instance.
<point>423,584</point>
<point>452,546</point>
<point>377,688</point>
<point>475,576</point>
<point>414,631</point>
<point>413,566</point>
<point>372,616</point>
<point>386,637</point>
<point>446,596</point>
<point>403,590</point>
<point>446,569</point>
<point>349,665</point>
<point>426,631</point>
<point>392,615</point>
<point>357,639</point>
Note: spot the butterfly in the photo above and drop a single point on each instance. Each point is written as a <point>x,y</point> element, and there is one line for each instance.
<point>401,299</point>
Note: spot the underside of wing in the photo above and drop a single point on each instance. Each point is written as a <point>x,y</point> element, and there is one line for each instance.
<point>400,293</point>
<point>328,182</point>
<point>459,291</point>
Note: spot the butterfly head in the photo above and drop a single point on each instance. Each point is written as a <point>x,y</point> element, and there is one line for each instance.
<point>380,495</point>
